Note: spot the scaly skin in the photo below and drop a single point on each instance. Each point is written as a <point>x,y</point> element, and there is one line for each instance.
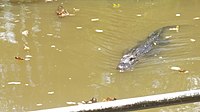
<point>130,58</point>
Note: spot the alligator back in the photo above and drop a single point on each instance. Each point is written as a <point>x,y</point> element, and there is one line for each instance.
<point>130,58</point>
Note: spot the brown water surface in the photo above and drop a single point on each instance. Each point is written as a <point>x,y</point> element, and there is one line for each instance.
<point>72,59</point>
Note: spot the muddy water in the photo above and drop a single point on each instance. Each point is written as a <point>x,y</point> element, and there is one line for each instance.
<point>74,58</point>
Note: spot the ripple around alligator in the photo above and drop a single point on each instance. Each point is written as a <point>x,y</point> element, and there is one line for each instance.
<point>74,58</point>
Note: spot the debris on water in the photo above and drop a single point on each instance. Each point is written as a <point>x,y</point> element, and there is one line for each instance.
<point>50,92</point>
<point>95,19</point>
<point>50,0</point>
<point>116,5</point>
<point>192,40</point>
<point>16,21</point>
<point>99,49</point>
<point>99,31</point>
<point>14,83</point>
<point>61,12</point>
<point>175,68</point>
<point>28,56</point>
<point>139,15</point>
<point>25,33</point>
<point>59,50</point>
<point>76,10</point>
<point>2,6</point>
<point>167,37</point>
<point>174,28</point>
<point>71,103</point>
<point>184,71</point>
<point>49,34</point>
<point>93,100</point>
<point>160,57</point>
<point>27,59</point>
<point>18,58</point>
<point>79,27</point>
<point>178,14</point>
<point>39,104</point>
<point>26,47</point>
<point>109,99</point>
<point>196,18</point>
<point>121,71</point>
<point>53,46</point>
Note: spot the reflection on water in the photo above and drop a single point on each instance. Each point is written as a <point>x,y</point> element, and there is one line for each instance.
<point>7,25</point>
<point>74,58</point>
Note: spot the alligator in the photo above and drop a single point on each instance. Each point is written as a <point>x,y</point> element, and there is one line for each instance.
<point>132,56</point>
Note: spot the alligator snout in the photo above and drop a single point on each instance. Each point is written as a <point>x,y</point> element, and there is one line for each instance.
<point>123,66</point>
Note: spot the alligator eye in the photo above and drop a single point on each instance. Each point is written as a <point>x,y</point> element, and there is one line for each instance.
<point>131,59</point>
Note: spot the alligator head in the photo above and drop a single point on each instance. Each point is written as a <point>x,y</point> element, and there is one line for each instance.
<point>127,62</point>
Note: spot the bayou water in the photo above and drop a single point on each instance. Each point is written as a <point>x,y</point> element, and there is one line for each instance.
<point>47,61</point>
